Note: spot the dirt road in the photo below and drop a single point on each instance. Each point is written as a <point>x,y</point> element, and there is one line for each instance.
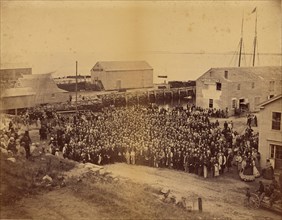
<point>224,195</point>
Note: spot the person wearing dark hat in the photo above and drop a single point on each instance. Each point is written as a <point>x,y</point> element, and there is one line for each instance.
<point>261,190</point>
<point>26,143</point>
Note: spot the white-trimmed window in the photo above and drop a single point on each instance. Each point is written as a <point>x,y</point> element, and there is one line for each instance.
<point>276,120</point>
<point>234,103</point>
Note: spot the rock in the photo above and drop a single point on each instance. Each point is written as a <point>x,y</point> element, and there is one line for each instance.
<point>47,178</point>
<point>63,184</point>
<point>116,179</point>
<point>165,190</point>
<point>60,177</point>
<point>102,172</point>
<point>12,159</point>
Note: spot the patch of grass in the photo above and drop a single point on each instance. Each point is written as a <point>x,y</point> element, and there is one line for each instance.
<point>19,179</point>
<point>129,200</point>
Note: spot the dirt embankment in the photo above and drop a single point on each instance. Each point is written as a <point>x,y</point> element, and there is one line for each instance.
<point>78,191</point>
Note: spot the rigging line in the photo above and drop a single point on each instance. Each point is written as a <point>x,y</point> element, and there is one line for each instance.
<point>235,55</point>
<point>244,57</point>
<point>231,59</point>
<point>258,54</point>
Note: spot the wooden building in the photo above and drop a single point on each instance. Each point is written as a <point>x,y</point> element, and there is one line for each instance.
<point>45,88</point>
<point>17,98</point>
<point>116,75</point>
<point>238,87</point>
<point>270,131</point>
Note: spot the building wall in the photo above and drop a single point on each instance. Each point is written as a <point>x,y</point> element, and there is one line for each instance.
<point>113,80</point>
<point>267,135</point>
<point>254,91</point>
<point>17,102</point>
<point>207,91</point>
<point>52,97</point>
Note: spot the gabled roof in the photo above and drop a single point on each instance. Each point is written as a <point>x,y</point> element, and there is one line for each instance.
<point>14,92</point>
<point>270,100</point>
<point>40,83</point>
<point>122,65</point>
<point>237,74</point>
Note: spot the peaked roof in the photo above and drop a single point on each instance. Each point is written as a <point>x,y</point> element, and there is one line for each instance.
<point>122,65</point>
<point>13,92</point>
<point>40,83</point>
<point>270,100</point>
<point>247,73</point>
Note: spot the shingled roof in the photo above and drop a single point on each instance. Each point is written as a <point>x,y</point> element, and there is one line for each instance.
<point>40,83</point>
<point>122,65</point>
<point>270,100</point>
<point>247,73</point>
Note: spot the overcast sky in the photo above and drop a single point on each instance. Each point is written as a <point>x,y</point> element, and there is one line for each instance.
<point>181,39</point>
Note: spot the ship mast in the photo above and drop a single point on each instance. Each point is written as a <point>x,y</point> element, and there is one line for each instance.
<point>241,42</point>
<point>255,39</point>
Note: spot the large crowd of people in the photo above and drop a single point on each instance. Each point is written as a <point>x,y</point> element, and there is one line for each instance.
<point>178,138</point>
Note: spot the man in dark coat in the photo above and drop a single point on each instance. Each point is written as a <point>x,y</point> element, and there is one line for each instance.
<point>26,141</point>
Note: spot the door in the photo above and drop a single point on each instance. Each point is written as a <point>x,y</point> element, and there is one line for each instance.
<point>278,157</point>
<point>211,103</point>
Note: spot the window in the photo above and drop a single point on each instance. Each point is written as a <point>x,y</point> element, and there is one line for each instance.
<point>226,74</point>
<point>278,153</point>
<point>253,85</point>
<point>276,120</point>
<point>218,86</point>
<point>238,87</point>
<point>211,103</point>
<point>234,103</point>
<point>53,95</point>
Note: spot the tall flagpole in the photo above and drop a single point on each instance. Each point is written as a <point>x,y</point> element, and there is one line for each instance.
<point>241,42</point>
<point>255,40</point>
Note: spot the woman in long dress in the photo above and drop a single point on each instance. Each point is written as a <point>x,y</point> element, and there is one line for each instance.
<point>255,170</point>
<point>246,172</point>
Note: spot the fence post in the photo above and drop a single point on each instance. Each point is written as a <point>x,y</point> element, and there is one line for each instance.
<point>200,204</point>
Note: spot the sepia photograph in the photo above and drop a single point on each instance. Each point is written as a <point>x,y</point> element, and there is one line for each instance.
<point>141,109</point>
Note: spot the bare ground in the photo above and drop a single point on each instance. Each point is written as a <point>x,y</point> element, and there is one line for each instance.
<point>222,196</point>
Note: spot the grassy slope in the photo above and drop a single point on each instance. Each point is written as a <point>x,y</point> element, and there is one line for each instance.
<point>112,199</point>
